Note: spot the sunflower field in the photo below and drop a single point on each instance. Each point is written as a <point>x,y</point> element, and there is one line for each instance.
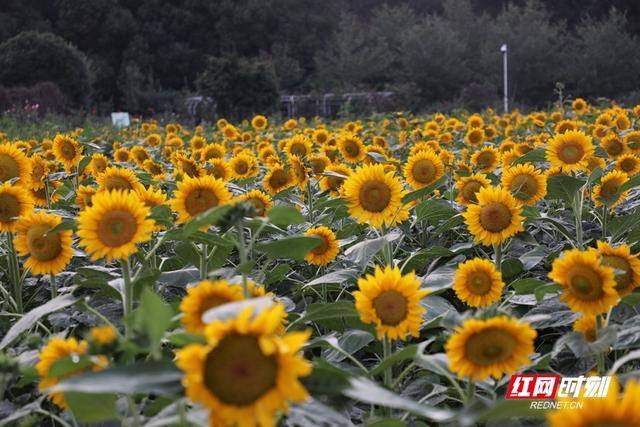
<point>391,271</point>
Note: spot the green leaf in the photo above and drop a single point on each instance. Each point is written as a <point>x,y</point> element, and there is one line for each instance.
<point>29,319</point>
<point>564,187</point>
<point>534,156</point>
<point>406,353</point>
<point>277,274</point>
<point>434,211</point>
<point>153,317</point>
<point>511,267</point>
<point>161,378</point>
<point>92,408</point>
<point>417,194</point>
<point>295,247</point>
<point>70,364</point>
<point>84,162</point>
<point>338,276</point>
<point>509,409</point>
<point>362,252</point>
<point>205,219</point>
<point>66,224</point>
<point>335,310</point>
<point>549,288</point>
<point>526,286</point>
<point>283,215</point>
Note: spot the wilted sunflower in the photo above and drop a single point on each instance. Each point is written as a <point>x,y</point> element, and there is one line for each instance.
<point>56,350</point>
<point>114,178</point>
<point>481,348</point>
<point>15,202</point>
<point>327,250</point>
<point>114,224</point>
<point>588,285</point>
<point>278,179</point>
<point>423,168</point>
<point>615,409</point>
<point>629,164</point>
<point>625,265</point>
<point>495,218</point>
<point>608,191</point>
<point>14,164</point>
<point>570,151</point>
<point>260,201</point>
<point>67,151</point>
<point>194,196</point>
<point>374,196</point>
<point>351,148</point>
<point>247,372</point>
<point>391,301</point>
<point>469,186</point>
<point>525,182</point>
<point>486,159</point>
<point>478,283</point>
<point>333,178</point>
<point>48,253</point>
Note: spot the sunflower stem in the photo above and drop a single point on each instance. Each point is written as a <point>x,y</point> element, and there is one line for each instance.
<point>497,249</point>
<point>600,363</point>
<point>605,218</point>
<point>54,286</point>
<point>46,193</point>
<point>14,271</point>
<point>204,270</point>
<point>471,390</point>
<point>310,202</point>
<point>577,211</point>
<point>127,295</point>
<point>243,259</point>
<point>388,373</point>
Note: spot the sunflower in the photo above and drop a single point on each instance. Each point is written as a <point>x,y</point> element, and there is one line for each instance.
<point>588,285</point>
<point>423,168</point>
<point>278,179</point>
<point>478,283</point>
<point>114,178</point>
<point>570,150</point>
<point>121,155</point>
<point>67,151</point>
<point>333,178</point>
<point>48,253</point>
<point>40,169</point>
<point>486,159</point>
<point>98,164</point>
<point>625,265</point>
<point>616,409</point>
<point>474,137</point>
<point>260,201</point>
<point>391,301</point>
<point>103,335</point>
<point>614,146</point>
<point>586,325</point>
<point>39,196</point>
<point>114,224</point>
<point>580,106</point>
<point>259,122</point>
<point>194,196</point>
<point>469,186</point>
<point>204,296</point>
<point>212,151</point>
<point>243,166</point>
<point>525,182</point>
<point>481,348</point>
<point>56,350</point>
<point>155,169</point>
<point>351,148</point>
<point>84,195</point>
<point>632,140</point>
<point>608,191</point>
<point>495,218</point>
<point>15,203</point>
<point>152,196</point>
<point>246,372</point>
<point>327,251</point>
<point>375,196</point>
<point>185,165</point>
<point>299,171</point>
<point>318,163</point>
<point>320,136</point>
<point>14,164</point>
<point>197,143</point>
<point>629,164</point>
<point>299,146</point>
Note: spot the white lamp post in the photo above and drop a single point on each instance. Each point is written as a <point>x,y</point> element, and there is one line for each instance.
<point>504,50</point>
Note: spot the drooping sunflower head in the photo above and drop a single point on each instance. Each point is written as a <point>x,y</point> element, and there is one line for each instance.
<point>423,168</point>
<point>247,371</point>
<point>328,249</point>
<point>491,347</point>
<point>496,217</point>
<point>588,285</point>
<point>626,266</point>
<point>194,196</point>
<point>374,196</point>
<point>15,202</point>
<point>67,151</point>
<point>570,150</point>
<point>391,301</point>
<point>114,224</point>
<point>469,186</point>
<point>525,182</point>
<point>114,178</point>
<point>608,191</point>
<point>14,164</point>
<point>47,252</point>
<point>478,283</point>
<point>299,171</point>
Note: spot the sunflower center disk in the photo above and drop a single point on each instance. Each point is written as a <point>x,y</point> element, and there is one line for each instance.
<point>212,301</point>
<point>495,217</point>
<point>117,183</point>
<point>622,270</point>
<point>43,246</point>
<point>627,165</point>
<point>375,196</point>
<point>424,171</point>
<point>524,186</point>
<point>278,179</point>
<point>237,372</point>
<point>571,153</point>
<point>322,247</point>
<point>485,160</point>
<point>585,283</point>
<point>470,189</point>
<point>390,307</point>
<point>490,346</point>
<point>609,189</point>
<point>117,228</point>
<point>9,207</point>
<point>479,283</point>
<point>299,150</point>
<point>68,150</point>
<point>9,168</point>
<point>351,148</point>
<point>242,167</point>
<point>200,200</point>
